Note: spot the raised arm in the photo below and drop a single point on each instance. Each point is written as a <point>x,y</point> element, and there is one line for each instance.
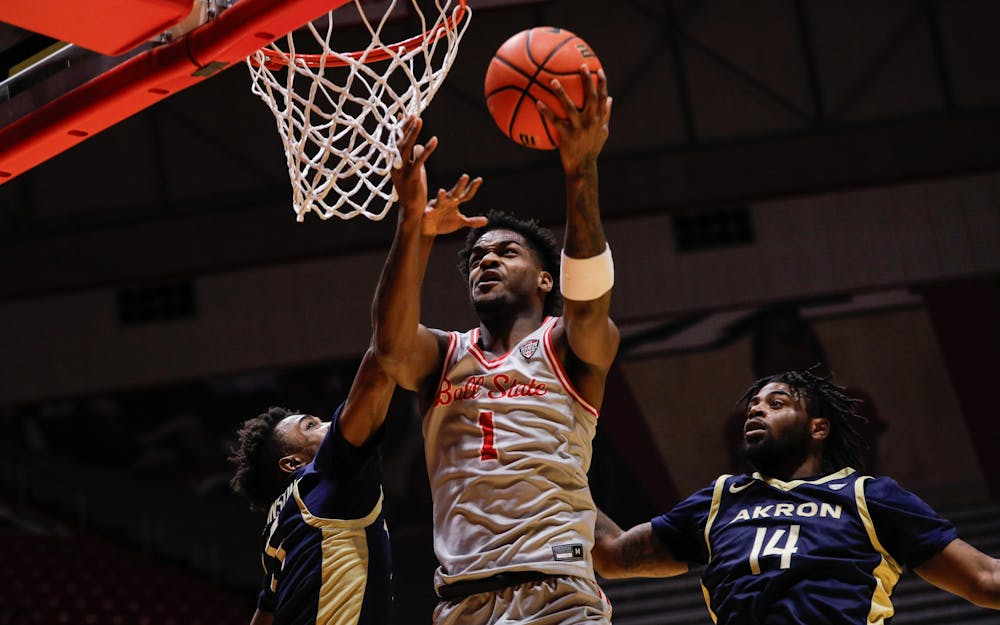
<point>367,401</point>
<point>963,570</point>
<point>408,351</point>
<point>635,553</point>
<point>587,272</point>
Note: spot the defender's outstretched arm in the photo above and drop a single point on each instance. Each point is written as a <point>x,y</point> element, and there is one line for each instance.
<point>963,570</point>
<point>408,350</point>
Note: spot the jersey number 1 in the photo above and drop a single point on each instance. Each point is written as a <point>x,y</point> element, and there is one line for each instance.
<point>772,548</point>
<point>487,451</point>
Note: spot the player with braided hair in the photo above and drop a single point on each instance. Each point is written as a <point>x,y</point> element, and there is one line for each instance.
<point>805,539</point>
<point>844,446</point>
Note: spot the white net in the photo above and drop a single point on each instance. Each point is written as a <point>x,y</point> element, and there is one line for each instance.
<point>338,114</point>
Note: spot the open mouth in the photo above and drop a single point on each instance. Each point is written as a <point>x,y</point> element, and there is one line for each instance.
<point>754,429</point>
<point>488,279</point>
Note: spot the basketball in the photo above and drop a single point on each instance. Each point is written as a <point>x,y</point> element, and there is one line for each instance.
<point>521,72</point>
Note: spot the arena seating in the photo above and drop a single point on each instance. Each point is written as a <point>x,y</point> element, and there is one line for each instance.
<point>161,556</point>
<point>80,579</point>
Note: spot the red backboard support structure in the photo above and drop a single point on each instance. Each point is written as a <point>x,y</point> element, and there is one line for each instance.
<point>148,78</point>
<point>111,27</point>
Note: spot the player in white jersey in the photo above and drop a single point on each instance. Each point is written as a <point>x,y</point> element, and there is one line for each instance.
<point>511,406</point>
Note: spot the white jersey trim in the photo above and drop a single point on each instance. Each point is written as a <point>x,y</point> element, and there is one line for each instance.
<point>557,367</point>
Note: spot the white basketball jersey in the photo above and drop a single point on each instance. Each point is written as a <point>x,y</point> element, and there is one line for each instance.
<point>508,446</point>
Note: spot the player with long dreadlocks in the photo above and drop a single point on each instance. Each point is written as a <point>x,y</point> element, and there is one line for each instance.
<point>806,538</point>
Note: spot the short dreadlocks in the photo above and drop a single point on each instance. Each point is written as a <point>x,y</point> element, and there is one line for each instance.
<point>541,240</point>
<point>844,446</point>
<point>258,477</point>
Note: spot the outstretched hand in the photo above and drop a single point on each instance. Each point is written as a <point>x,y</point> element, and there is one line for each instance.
<point>409,177</point>
<point>442,215</point>
<point>583,131</point>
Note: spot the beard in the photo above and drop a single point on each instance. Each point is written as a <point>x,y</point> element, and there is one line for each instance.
<point>773,455</point>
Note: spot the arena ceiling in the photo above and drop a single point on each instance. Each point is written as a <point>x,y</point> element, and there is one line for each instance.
<point>716,102</point>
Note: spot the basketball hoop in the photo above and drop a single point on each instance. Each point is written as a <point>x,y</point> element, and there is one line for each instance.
<point>339,114</point>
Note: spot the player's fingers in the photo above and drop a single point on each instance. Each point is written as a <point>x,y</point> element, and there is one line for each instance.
<point>545,112</point>
<point>589,89</point>
<point>410,129</point>
<point>473,188</point>
<point>571,113</point>
<point>407,140</point>
<point>402,123</point>
<point>601,92</point>
<point>459,187</point>
<point>407,121</point>
<point>425,151</point>
<point>475,222</point>
<point>414,132</point>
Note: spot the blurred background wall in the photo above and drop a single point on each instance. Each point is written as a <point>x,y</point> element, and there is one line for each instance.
<point>787,182</point>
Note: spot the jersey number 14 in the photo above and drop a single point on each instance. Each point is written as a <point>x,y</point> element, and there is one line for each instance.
<point>772,548</point>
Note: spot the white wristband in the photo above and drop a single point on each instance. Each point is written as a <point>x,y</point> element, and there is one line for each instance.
<point>584,279</point>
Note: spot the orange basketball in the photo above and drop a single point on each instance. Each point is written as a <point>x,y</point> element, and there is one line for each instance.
<point>522,71</point>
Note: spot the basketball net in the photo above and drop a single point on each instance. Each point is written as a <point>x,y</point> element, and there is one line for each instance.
<point>339,113</point>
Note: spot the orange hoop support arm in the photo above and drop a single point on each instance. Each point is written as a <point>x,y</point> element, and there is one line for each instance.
<point>148,78</point>
<point>111,27</point>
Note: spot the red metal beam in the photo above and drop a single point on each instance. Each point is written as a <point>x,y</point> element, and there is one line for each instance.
<point>111,27</point>
<point>148,78</point>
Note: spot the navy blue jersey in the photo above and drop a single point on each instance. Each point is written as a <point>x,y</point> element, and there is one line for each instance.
<point>827,550</point>
<point>326,554</point>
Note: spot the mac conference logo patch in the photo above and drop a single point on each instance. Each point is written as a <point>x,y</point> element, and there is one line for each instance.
<point>528,349</point>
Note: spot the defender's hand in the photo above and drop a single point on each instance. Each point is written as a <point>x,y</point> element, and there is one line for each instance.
<point>410,177</point>
<point>442,215</point>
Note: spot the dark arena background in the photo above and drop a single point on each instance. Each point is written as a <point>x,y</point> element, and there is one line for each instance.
<point>786,182</point>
